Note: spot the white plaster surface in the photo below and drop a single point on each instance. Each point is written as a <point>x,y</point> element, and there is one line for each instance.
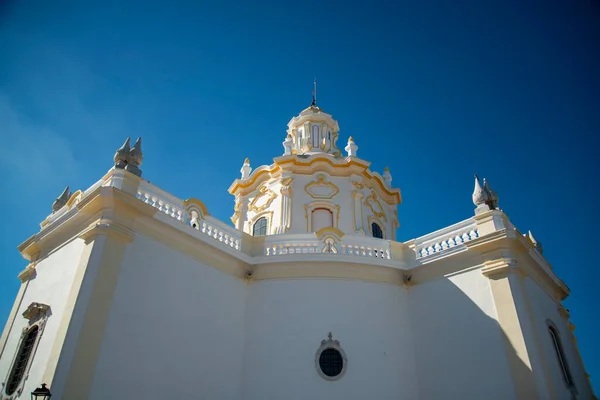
<point>287,319</point>
<point>459,346</point>
<point>51,286</point>
<point>176,329</point>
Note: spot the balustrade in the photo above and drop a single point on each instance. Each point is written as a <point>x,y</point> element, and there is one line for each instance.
<point>447,238</point>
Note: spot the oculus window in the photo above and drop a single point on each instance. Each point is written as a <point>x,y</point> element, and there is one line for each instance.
<point>330,360</point>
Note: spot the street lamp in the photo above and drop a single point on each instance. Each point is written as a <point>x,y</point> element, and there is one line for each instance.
<point>41,393</point>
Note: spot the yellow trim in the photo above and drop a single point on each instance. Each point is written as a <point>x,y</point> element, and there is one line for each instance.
<point>372,200</point>
<point>329,230</point>
<point>195,202</point>
<point>327,159</point>
<point>263,191</point>
<point>321,181</point>
<point>73,198</point>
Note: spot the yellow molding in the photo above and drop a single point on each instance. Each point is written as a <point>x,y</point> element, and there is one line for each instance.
<point>327,231</point>
<point>372,202</point>
<point>321,180</point>
<point>340,164</point>
<point>195,202</point>
<point>263,192</point>
<point>28,273</point>
<point>73,198</point>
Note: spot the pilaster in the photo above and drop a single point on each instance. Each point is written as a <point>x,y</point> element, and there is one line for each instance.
<point>509,297</point>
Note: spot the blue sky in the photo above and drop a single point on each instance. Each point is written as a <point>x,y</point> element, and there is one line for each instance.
<point>436,90</point>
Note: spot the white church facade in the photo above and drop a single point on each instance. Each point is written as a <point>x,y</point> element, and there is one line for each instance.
<point>133,293</point>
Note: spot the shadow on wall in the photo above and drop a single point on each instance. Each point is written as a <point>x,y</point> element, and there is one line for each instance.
<point>461,352</point>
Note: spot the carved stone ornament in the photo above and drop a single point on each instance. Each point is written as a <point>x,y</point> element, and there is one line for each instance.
<point>480,196</point>
<point>321,188</point>
<point>121,154</point>
<point>262,200</point>
<point>36,311</point>
<point>135,158</point>
<point>537,245</point>
<point>484,195</point>
<point>62,200</point>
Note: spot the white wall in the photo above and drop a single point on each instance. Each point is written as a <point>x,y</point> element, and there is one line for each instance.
<point>175,329</point>
<point>50,286</point>
<point>287,319</point>
<point>545,308</point>
<point>459,346</point>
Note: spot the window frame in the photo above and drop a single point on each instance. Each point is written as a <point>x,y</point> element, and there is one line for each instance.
<point>373,225</point>
<point>37,315</point>
<point>266,226</point>
<point>309,208</point>
<point>330,343</point>
<point>561,357</point>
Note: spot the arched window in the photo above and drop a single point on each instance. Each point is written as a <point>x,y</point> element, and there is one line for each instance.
<point>315,136</point>
<point>260,227</point>
<point>22,360</point>
<point>377,232</point>
<point>562,361</point>
<point>321,218</point>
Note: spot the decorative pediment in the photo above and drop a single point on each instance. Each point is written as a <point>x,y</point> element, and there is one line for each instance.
<point>375,206</point>
<point>262,200</point>
<point>321,189</point>
<point>36,311</point>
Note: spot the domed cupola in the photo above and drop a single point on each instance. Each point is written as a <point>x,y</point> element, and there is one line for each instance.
<point>314,188</point>
<point>313,131</point>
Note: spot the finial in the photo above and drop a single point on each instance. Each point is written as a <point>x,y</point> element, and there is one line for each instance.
<point>135,157</point>
<point>493,197</point>
<point>480,196</point>
<point>288,143</point>
<point>330,336</point>
<point>351,147</point>
<point>246,169</point>
<point>537,245</point>
<point>314,93</point>
<point>121,155</point>
<point>61,201</point>
<point>387,176</point>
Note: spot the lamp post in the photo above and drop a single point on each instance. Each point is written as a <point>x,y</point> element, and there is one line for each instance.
<point>41,393</point>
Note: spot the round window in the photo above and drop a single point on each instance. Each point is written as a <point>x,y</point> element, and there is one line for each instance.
<point>331,362</point>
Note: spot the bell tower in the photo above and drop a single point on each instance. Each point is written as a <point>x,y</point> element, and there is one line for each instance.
<point>314,187</point>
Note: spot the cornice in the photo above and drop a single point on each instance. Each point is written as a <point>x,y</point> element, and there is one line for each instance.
<point>316,163</point>
<point>500,268</point>
<point>327,270</point>
<point>109,228</point>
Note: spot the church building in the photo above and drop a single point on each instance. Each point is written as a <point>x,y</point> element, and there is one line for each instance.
<point>134,293</point>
